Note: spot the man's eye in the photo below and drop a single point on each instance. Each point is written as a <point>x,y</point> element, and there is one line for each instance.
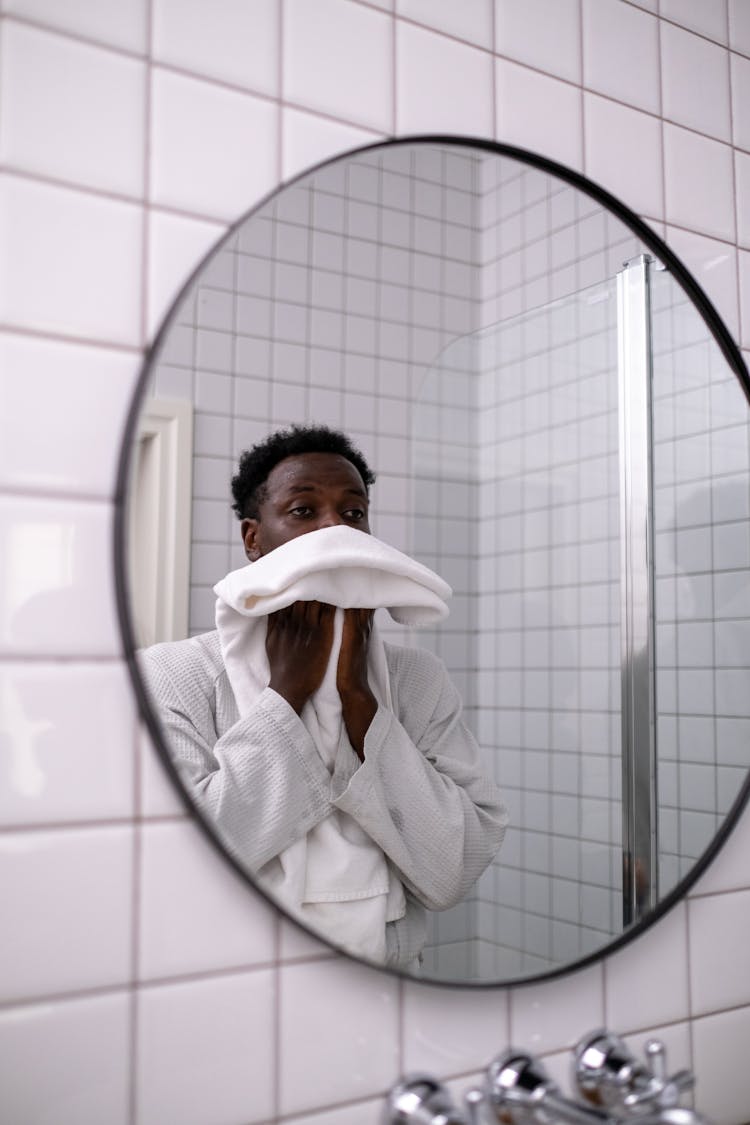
<point>300,512</point>
<point>355,514</point>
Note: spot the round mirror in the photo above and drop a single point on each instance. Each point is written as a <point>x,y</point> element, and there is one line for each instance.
<point>558,425</point>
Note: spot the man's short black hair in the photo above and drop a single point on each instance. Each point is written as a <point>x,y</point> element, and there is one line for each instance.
<point>248,485</point>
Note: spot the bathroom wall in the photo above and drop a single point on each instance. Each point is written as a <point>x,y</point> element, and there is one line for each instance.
<point>328,306</point>
<point>139,980</point>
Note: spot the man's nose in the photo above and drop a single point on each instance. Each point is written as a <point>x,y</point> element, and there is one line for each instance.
<point>330,519</point>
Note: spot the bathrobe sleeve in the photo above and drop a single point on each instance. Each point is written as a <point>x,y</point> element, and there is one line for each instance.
<point>421,792</point>
<point>259,780</point>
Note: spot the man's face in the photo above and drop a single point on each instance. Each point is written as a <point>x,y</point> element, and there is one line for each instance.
<point>305,493</point>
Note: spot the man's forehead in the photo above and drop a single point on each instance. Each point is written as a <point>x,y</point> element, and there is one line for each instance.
<point>316,470</point>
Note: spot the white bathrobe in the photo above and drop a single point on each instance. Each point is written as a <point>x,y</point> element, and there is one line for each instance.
<point>336,879</point>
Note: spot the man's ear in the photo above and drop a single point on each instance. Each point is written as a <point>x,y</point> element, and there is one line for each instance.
<point>249,530</point>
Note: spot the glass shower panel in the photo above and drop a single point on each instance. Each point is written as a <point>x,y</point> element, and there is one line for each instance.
<point>543,639</point>
<point>701,456</point>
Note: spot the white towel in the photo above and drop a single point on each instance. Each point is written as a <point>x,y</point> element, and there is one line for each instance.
<point>336,879</point>
<point>339,566</point>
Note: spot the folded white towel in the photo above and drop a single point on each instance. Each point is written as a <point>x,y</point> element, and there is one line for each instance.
<point>339,566</point>
<point>337,879</point>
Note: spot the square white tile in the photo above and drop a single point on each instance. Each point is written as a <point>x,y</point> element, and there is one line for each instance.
<point>196,914</point>
<point>229,1020</point>
<point>40,379</point>
<point>719,954</point>
<point>93,289</point>
<point>58,597</point>
<point>296,944</point>
<point>699,183</point>
<point>739,26</point>
<point>695,82</point>
<point>742,192</point>
<point>706,17</point>
<point>442,85</point>
<point>53,767</point>
<point>719,1061</point>
<point>621,53</point>
<point>544,34</point>
<point>72,111</point>
<point>623,153</point>
<point>232,41</point>
<point>523,97</point>
<point>225,162</point>
<point>647,981</point>
<point>713,264</point>
<point>75,884</point>
<point>478,1026</point>
<point>338,59</point>
<point>176,245</point>
<point>312,1028</point>
<point>67,1061</point>
<point>540,1014</point>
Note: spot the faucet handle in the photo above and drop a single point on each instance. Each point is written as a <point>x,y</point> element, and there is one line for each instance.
<point>519,1087</point>
<point>663,1091</point>
<point>474,1100</point>
<point>607,1074</point>
<point>419,1099</point>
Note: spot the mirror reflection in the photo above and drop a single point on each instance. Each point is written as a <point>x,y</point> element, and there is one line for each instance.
<point>556,434</point>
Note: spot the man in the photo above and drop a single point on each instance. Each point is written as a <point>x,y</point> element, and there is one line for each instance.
<point>410,777</point>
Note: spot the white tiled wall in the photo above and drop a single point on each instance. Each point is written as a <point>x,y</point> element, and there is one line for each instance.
<point>327,306</point>
<point>130,135</point>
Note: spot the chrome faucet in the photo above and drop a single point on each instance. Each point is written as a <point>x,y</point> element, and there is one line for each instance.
<point>614,1088</point>
<point>521,1092</point>
<point>605,1073</point>
<point>419,1100</point>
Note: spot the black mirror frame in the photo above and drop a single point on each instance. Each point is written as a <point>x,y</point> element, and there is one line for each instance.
<point>733,357</point>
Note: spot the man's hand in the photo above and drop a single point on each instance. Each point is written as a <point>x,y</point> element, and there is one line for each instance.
<point>298,644</point>
<point>358,704</point>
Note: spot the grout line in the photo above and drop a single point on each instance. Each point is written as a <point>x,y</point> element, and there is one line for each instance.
<point>148,106</point>
<point>17,171</point>
<point>83,825</point>
<point>3,116</point>
<point>662,131</point>
<point>8,656</point>
<point>136,886</point>
<point>394,73</point>
<point>76,36</point>
<point>736,199</point>
<point>69,338</point>
<point>37,492</point>
<point>582,91</point>
<point>280,77</point>
<point>152,983</point>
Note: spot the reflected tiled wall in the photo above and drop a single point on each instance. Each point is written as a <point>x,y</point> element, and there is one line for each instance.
<point>140,981</point>
<point>702,593</point>
<point>327,306</point>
